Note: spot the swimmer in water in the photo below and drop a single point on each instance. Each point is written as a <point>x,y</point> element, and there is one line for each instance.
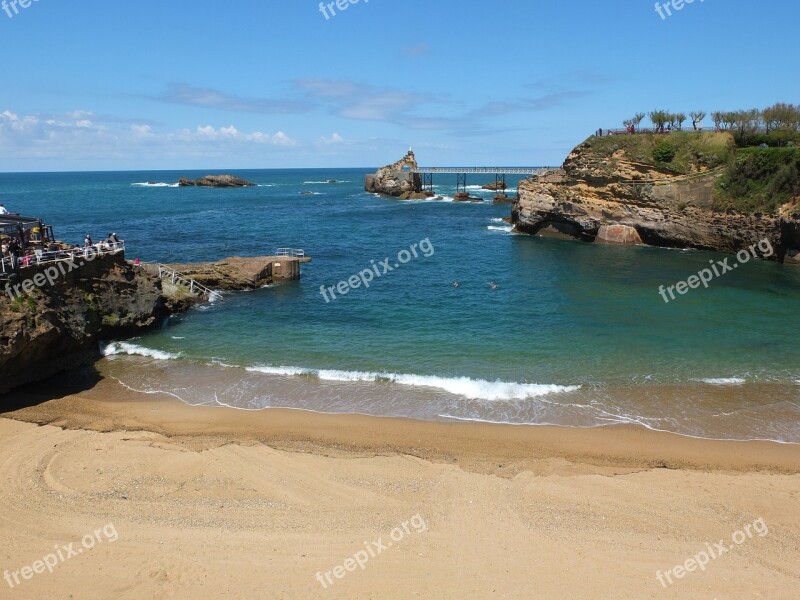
<point>456,284</point>
<point>493,285</point>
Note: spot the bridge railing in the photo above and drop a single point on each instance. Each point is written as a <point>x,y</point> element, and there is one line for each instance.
<point>484,170</point>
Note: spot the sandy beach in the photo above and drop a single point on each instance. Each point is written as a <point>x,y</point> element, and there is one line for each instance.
<point>188,502</point>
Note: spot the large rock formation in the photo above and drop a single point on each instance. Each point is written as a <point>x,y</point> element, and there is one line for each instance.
<point>617,199</point>
<point>397,180</point>
<point>59,327</point>
<point>219,181</point>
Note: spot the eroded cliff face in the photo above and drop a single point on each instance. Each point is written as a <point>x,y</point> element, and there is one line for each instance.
<point>59,327</point>
<point>614,199</point>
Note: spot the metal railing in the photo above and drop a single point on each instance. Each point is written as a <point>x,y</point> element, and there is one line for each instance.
<point>40,257</point>
<point>290,252</point>
<point>614,131</point>
<point>484,170</point>
<point>164,272</point>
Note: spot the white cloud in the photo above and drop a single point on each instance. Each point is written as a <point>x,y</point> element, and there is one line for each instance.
<point>330,141</point>
<point>69,138</point>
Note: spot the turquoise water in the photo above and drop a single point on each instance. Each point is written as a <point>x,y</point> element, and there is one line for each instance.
<point>574,334</point>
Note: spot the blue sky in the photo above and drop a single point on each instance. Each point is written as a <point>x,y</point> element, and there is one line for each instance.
<point>170,84</point>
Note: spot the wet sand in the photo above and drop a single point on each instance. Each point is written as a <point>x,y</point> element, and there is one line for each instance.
<point>222,503</point>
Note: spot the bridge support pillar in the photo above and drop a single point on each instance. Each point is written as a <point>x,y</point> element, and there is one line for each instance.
<point>427,182</point>
<point>500,183</point>
<point>461,184</point>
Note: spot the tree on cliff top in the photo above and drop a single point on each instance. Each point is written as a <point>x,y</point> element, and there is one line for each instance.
<point>697,117</point>
<point>660,118</point>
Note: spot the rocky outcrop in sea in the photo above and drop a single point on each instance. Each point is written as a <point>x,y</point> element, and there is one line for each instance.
<point>218,181</point>
<point>397,180</point>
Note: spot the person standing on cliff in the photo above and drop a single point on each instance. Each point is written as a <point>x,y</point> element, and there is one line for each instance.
<point>3,210</point>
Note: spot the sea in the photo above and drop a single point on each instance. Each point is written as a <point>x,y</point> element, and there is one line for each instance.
<point>538,331</point>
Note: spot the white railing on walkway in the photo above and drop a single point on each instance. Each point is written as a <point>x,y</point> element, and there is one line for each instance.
<point>292,252</point>
<point>40,257</point>
<point>164,272</point>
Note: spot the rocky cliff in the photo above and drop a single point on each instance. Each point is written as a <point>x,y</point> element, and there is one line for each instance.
<point>54,328</point>
<point>59,327</point>
<point>397,180</point>
<point>612,192</point>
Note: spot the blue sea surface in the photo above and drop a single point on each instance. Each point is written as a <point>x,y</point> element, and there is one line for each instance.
<point>572,334</point>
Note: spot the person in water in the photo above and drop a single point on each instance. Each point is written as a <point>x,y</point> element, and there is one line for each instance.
<point>456,284</point>
<point>493,285</point>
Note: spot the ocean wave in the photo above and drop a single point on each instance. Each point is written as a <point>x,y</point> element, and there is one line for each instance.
<point>292,371</point>
<point>156,184</point>
<point>331,182</point>
<point>473,389</point>
<point>723,381</point>
<point>115,348</point>
<point>505,229</point>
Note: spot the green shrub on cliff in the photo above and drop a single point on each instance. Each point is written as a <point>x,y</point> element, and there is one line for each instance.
<point>759,179</point>
<point>664,152</point>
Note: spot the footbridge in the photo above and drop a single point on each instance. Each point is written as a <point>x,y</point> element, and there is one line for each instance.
<point>461,173</point>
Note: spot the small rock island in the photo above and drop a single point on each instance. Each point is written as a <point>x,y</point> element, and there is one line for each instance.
<point>218,181</point>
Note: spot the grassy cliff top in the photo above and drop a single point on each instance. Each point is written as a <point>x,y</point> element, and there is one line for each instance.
<point>750,179</point>
<point>681,152</point>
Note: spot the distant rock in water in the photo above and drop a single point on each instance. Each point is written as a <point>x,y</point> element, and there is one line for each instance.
<point>494,187</point>
<point>220,181</point>
<point>396,180</point>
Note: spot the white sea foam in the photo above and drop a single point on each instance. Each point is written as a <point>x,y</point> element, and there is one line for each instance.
<point>724,381</point>
<point>156,184</point>
<point>115,348</point>
<point>325,182</point>
<point>478,389</point>
<point>505,229</point>
<point>278,370</point>
<point>474,389</point>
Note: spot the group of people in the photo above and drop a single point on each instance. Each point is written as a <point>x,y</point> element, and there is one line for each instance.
<point>111,242</point>
<point>14,256</point>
